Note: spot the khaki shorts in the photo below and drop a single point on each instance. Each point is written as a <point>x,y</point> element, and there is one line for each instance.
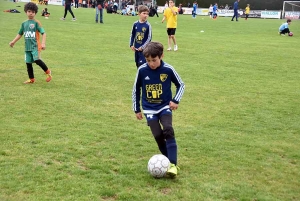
<point>31,56</point>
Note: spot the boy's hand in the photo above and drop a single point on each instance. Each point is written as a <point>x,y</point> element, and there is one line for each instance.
<point>139,116</point>
<point>132,48</point>
<point>43,46</point>
<point>11,44</point>
<point>173,106</point>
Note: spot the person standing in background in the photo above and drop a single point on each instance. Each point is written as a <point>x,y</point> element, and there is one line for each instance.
<point>99,10</point>
<point>235,10</point>
<point>68,8</point>
<point>170,15</point>
<point>247,11</point>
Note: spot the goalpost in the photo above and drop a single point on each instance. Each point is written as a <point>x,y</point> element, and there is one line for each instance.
<point>291,10</point>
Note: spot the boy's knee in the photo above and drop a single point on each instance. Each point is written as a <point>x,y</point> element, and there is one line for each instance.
<point>168,132</point>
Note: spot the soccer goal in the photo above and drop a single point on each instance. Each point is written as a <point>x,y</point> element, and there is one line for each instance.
<point>291,10</point>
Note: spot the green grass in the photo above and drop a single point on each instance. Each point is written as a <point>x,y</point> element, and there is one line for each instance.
<point>76,138</point>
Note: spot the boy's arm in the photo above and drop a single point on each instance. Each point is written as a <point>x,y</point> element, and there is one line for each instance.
<point>12,43</point>
<point>132,37</point>
<point>180,86</point>
<point>174,10</point>
<point>43,41</point>
<point>136,94</point>
<point>164,18</point>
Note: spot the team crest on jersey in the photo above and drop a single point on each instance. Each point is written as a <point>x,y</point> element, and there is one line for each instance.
<point>163,77</point>
<point>144,29</point>
<point>139,37</point>
<point>31,26</point>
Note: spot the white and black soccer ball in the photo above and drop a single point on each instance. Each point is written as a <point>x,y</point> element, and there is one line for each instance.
<point>158,165</point>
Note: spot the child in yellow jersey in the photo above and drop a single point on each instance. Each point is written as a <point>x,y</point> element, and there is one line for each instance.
<point>170,14</point>
<point>247,11</point>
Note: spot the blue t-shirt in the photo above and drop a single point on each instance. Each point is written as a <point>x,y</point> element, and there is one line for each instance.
<point>215,8</point>
<point>194,7</point>
<point>283,26</point>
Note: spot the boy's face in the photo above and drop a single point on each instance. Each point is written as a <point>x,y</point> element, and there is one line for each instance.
<point>154,63</point>
<point>30,14</point>
<point>143,16</point>
<point>171,3</point>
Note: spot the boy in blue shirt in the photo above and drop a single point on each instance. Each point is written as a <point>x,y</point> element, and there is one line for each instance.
<point>152,87</point>
<point>284,28</point>
<point>141,35</point>
<point>215,9</point>
<point>194,12</point>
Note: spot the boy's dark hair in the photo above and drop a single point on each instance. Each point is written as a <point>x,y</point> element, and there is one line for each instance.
<point>289,20</point>
<point>31,6</point>
<point>153,49</point>
<point>143,8</point>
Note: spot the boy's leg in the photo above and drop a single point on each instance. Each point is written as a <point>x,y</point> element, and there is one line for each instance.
<point>168,132</point>
<point>97,12</point>
<point>66,11</point>
<point>158,136</point>
<point>39,62</point>
<point>29,60</point>
<point>101,15</point>
<point>70,10</point>
<point>30,74</point>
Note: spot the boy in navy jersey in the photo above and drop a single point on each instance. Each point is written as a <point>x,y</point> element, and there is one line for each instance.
<point>152,87</point>
<point>141,35</point>
<point>31,29</point>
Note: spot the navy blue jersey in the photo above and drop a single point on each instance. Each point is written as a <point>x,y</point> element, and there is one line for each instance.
<point>155,88</point>
<point>141,34</point>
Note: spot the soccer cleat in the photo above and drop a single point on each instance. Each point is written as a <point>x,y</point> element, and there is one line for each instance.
<point>169,49</point>
<point>30,81</point>
<point>62,18</point>
<point>175,47</point>
<point>73,19</point>
<point>49,77</point>
<point>173,170</point>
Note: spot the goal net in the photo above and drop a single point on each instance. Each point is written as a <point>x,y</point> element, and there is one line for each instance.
<point>291,10</point>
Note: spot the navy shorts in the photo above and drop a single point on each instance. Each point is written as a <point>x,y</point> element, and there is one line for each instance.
<point>139,58</point>
<point>157,116</point>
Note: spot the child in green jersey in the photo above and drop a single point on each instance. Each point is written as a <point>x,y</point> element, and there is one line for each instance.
<point>31,29</point>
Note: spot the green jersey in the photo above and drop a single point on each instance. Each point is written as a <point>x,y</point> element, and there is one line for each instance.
<point>31,30</point>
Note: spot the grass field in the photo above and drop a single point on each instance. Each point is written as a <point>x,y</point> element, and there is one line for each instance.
<point>76,138</point>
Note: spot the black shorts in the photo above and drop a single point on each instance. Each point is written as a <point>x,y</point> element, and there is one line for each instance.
<point>171,31</point>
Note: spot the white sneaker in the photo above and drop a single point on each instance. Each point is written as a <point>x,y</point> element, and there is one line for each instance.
<point>175,48</point>
<point>73,19</point>
<point>169,49</point>
<point>62,18</point>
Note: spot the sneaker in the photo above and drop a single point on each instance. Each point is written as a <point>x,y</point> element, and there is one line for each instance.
<point>49,77</point>
<point>30,81</point>
<point>173,170</point>
<point>73,19</point>
<point>62,18</point>
<point>169,49</point>
<point>175,47</point>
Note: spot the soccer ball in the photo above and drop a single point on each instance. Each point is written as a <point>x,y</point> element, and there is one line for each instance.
<point>158,165</point>
<point>291,34</point>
